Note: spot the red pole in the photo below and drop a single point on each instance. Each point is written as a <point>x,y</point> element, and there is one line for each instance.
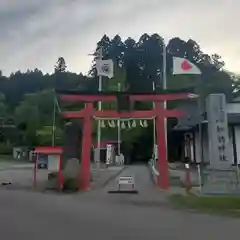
<point>163,178</point>
<point>60,175</point>
<point>85,170</point>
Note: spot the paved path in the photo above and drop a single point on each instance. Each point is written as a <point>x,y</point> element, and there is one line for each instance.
<point>141,176</point>
<point>148,193</point>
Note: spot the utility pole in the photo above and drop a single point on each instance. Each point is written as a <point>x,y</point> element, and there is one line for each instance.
<point>99,109</point>
<point>119,126</point>
<point>165,88</point>
<point>53,122</point>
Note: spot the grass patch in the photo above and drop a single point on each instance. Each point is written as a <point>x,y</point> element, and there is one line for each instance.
<point>229,205</point>
<point>6,157</point>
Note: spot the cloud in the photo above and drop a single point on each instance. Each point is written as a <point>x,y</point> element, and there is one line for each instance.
<point>36,32</point>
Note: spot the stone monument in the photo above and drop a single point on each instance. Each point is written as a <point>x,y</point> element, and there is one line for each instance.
<point>220,177</point>
<point>218,137</point>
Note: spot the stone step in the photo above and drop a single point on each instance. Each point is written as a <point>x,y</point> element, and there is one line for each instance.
<point>221,182</point>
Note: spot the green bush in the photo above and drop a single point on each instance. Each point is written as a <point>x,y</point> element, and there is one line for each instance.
<point>5,149</point>
<point>219,203</point>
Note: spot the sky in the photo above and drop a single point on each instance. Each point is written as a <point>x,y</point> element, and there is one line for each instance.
<point>34,33</point>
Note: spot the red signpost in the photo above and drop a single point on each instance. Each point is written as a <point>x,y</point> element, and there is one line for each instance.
<point>89,112</point>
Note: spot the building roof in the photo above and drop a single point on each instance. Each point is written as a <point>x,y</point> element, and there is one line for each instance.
<point>48,150</point>
<point>194,116</point>
<point>190,119</point>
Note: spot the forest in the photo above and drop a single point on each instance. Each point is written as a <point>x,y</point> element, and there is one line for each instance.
<point>27,98</point>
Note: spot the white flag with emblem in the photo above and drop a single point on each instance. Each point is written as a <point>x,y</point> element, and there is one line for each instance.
<point>105,68</point>
<point>183,66</point>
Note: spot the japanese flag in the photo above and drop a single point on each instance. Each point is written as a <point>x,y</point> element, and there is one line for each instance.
<point>105,68</point>
<point>183,66</point>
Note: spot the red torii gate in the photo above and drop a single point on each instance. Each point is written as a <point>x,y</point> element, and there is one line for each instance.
<point>89,112</point>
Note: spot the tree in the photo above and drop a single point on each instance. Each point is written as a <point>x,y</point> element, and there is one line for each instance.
<point>44,136</point>
<point>142,64</point>
<point>60,65</point>
<point>27,97</point>
<point>28,121</point>
<point>236,84</point>
<point>3,107</point>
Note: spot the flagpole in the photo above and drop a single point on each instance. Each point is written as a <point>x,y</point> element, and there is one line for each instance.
<point>200,129</point>
<point>99,108</point>
<point>53,121</point>
<point>165,88</point>
<point>154,122</point>
<point>119,126</point>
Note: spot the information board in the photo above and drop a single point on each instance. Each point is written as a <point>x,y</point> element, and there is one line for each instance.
<point>126,180</point>
<point>126,183</point>
<point>42,161</point>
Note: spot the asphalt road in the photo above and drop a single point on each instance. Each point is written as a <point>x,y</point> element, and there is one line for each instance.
<point>98,215</point>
